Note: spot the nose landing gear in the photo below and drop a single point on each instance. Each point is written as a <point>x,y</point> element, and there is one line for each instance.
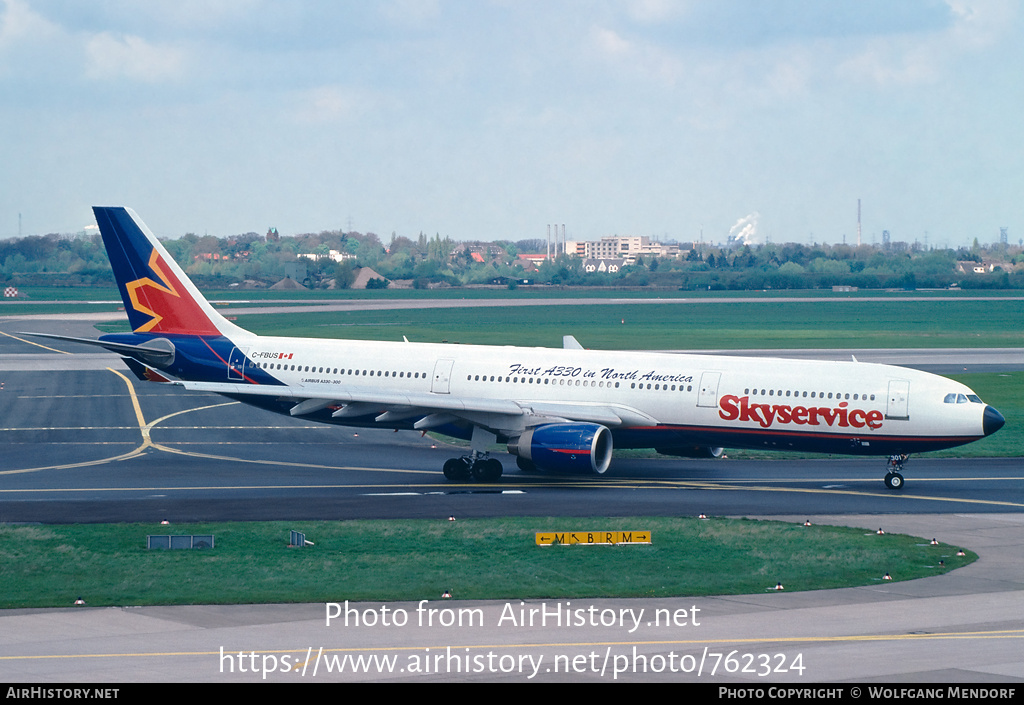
<point>894,468</point>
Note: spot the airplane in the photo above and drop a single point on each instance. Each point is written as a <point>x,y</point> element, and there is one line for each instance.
<point>556,409</point>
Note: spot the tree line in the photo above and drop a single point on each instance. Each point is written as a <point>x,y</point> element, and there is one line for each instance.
<point>80,260</point>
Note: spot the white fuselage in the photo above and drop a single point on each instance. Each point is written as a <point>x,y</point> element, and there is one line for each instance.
<point>736,401</point>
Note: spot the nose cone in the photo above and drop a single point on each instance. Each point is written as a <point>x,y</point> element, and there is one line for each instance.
<point>992,421</point>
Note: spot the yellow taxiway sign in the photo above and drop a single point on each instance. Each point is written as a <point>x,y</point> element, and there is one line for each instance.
<point>592,538</point>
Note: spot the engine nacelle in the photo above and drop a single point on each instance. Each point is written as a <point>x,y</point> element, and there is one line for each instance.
<point>572,447</point>
<point>692,451</point>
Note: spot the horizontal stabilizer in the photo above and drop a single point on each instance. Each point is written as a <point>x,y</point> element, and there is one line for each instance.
<point>158,352</point>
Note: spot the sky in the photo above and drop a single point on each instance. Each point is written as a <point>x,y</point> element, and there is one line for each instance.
<point>492,119</point>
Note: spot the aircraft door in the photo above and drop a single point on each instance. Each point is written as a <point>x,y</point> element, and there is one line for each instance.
<point>236,364</point>
<point>898,404</point>
<point>708,393</point>
<point>442,376</point>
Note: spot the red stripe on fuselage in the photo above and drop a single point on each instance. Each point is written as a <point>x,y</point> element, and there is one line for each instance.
<point>801,434</point>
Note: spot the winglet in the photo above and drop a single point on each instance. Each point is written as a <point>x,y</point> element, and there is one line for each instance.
<point>158,296</point>
<point>570,343</point>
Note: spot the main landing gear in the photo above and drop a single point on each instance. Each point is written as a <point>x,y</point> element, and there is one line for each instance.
<point>481,469</point>
<point>894,467</point>
<point>477,464</point>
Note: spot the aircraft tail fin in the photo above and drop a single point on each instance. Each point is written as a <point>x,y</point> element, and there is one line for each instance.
<point>158,296</point>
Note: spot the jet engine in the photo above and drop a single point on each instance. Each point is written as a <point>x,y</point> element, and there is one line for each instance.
<point>567,447</point>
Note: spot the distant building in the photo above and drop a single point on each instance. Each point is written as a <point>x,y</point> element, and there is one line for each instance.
<point>530,263</point>
<point>536,259</point>
<point>603,266</point>
<point>331,255</point>
<point>480,252</point>
<point>626,248</point>
<point>970,267</point>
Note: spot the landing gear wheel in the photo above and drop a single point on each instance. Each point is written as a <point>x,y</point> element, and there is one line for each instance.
<point>456,470</point>
<point>487,470</point>
<point>894,481</point>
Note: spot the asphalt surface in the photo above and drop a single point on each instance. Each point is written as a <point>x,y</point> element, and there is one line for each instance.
<point>86,442</point>
<point>96,445</point>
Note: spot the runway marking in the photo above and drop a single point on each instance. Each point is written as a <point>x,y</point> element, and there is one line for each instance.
<point>71,428</point>
<point>68,443</point>
<point>289,464</point>
<point>134,453</point>
<point>941,636</point>
<point>610,483</point>
<point>103,396</point>
<point>233,487</point>
<point>146,428</point>
<point>880,495</point>
<point>449,488</point>
<point>208,456</point>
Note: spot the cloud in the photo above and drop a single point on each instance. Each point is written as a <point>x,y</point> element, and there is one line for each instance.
<point>981,23</point>
<point>331,104</point>
<point>922,58</point>
<point>113,56</point>
<point>411,13</point>
<point>18,24</point>
<point>610,43</point>
<point>886,62</point>
<point>636,58</point>
<point>655,11</point>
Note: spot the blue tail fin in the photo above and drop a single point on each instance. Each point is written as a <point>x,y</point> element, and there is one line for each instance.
<point>157,295</point>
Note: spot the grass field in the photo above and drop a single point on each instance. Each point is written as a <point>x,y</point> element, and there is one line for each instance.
<point>768,324</point>
<point>732,326</point>
<point>42,293</point>
<point>53,565</point>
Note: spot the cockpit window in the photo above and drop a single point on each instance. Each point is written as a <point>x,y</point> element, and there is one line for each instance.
<point>952,398</point>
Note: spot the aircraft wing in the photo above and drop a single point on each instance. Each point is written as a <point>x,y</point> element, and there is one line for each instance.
<point>499,414</point>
